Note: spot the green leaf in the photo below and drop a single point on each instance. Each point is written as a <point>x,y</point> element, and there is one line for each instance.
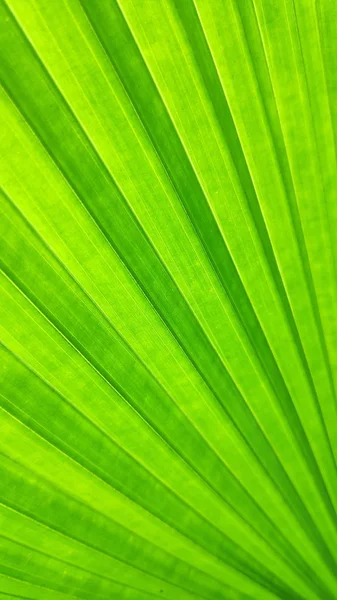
<point>168,330</point>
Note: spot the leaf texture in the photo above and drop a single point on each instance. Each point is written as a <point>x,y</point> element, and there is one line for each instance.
<point>168,331</point>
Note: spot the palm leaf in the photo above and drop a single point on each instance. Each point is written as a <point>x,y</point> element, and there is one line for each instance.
<point>168,300</point>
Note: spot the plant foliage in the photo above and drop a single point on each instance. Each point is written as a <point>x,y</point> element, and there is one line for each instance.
<point>168,329</point>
